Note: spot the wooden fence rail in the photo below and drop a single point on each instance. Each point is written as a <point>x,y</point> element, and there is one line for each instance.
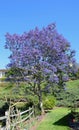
<point>13,119</point>
<point>2,118</point>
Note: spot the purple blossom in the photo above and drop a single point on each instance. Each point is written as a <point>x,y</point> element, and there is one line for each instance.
<point>43,52</point>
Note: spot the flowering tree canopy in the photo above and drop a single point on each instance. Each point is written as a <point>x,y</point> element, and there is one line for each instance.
<point>44,50</point>
<point>43,53</point>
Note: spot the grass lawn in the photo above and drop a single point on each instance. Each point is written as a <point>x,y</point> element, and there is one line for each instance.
<point>55,120</point>
<point>73,84</point>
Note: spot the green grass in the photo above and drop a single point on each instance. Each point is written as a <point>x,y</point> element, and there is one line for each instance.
<point>73,88</point>
<point>55,120</point>
<point>72,84</point>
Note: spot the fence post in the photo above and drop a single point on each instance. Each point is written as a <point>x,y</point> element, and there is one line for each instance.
<point>29,114</point>
<point>29,119</point>
<point>33,116</point>
<point>19,119</point>
<point>0,127</point>
<point>33,111</point>
<point>7,120</point>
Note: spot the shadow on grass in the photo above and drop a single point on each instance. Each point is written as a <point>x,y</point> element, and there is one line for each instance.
<point>64,121</point>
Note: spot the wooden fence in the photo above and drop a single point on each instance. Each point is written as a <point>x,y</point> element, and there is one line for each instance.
<point>15,121</point>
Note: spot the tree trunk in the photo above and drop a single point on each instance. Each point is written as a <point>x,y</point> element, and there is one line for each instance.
<point>40,99</point>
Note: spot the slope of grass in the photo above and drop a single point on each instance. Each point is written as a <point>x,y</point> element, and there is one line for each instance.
<point>7,88</point>
<point>73,89</point>
<point>11,91</point>
<point>55,120</point>
<point>72,84</point>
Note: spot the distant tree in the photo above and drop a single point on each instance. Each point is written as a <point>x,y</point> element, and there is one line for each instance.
<point>44,55</point>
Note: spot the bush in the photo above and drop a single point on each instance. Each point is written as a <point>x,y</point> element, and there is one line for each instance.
<point>32,100</point>
<point>2,79</point>
<point>37,110</point>
<point>61,103</point>
<point>21,105</point>
<point>49,102</point>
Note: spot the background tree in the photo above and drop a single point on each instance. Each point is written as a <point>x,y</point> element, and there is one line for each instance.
<point>14,74</point>
<point>44,55</point>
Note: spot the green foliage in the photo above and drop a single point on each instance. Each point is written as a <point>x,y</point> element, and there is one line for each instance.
<point>14,71</point>
<point>77,74</point>
<point>14,74</point>
<point>37,111</point>
<point>49,102</point>
<point>2,103</point>
<point>33,99</point>
<point>73,93</point>
<point>2,79</point>
<point>67,98</point>
<point>21,105</point>
<point>70,96</point>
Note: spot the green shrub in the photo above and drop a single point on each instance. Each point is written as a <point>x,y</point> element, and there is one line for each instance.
<point>21,105</point>
<point>2,79</point>
<point>49,102</point>
<point>33,99</point>
<point>37,110</point>
<point>61,103</point>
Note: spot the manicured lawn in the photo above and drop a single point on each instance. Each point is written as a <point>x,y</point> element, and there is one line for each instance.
<point>55,120</point>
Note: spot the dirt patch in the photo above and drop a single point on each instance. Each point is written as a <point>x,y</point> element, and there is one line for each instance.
<point>39,120</point>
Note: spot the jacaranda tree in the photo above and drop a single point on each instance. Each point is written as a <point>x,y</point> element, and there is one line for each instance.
<point>44,55</point>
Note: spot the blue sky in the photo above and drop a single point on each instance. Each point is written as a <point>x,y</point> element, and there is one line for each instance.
<point>18,16</point>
